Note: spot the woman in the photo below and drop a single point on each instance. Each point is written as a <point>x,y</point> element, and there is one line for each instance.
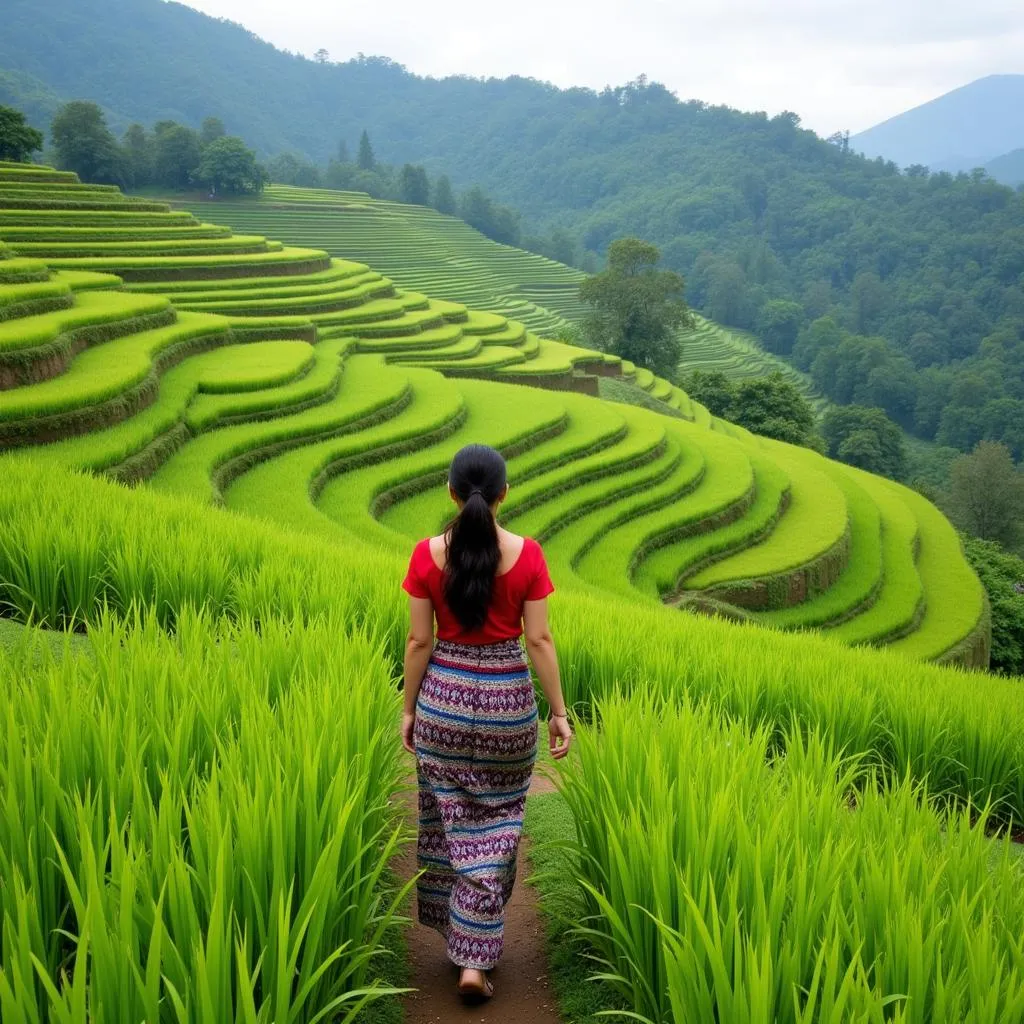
<point>470,712</point>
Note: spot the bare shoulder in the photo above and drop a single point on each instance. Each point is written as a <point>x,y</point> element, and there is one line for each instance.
<point>439,550</point>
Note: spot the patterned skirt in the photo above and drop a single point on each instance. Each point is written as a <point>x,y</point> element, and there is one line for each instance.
<point>476,742</point>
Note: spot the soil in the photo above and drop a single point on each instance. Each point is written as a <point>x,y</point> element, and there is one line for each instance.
<point>521,991</point>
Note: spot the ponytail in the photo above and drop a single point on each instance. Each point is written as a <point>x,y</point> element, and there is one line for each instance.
<point>477,478</point>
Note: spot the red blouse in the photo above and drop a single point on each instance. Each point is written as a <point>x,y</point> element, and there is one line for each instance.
<point>527,580</point>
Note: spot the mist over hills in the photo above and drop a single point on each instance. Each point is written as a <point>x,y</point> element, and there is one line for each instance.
<point>974,126</point>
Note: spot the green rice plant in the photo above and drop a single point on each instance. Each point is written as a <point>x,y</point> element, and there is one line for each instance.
<point>488,361</point>
<point>89,310</point>
<point>568,537</point>
<point>157,268</point>
<point>106,371</point>
<point>645,439</point>
<point>861,579</point>
<point>616,547</point>
<point>501,416</point>
<point>365,394</point>
<point>262,364</point>
<point>661,570</point>
<point>318,385</point>
<point>783,888</point>
<point>962,732</point>
<point>954,598</point>
<point>338,272</point>
<point>182,840</point>
<point>283,489</point>
<point>898,605</point>
<point>562,508</point>
<point>814,522</point>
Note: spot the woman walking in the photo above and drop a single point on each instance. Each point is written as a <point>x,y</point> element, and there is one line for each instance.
<point>470,712</point>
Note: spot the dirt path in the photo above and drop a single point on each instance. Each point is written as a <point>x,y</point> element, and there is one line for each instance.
<point>522,994</point>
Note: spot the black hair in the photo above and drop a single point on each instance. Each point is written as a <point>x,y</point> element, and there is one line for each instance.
<point>477,478</point>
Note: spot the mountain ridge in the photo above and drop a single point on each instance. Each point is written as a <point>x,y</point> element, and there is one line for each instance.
<point>969,127</point>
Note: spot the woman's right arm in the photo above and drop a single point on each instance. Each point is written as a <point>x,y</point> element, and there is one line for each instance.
<point>541,647</point>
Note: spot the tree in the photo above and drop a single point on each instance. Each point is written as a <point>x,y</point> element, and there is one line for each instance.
<point>229,166</point>
<point>712,389</point>
<point>771,406</point>
<point>986,495</point>
<point>774,407</point>
<point>18,139</point>
<point>84,144</point>
<point>444,198</point>
<point>414,186</point>
<point>365,161</point>
<point>867,435</point>
<point>562,248</point>
<point>322,56</point>
<point>636,308</point>
<point>342,157</point>
<point>1002,575</point>
<point>212,130</point>
<point>779,324</point>
<point>176,154</point>
<point>138,155</point>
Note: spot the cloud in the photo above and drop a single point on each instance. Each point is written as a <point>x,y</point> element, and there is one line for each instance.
<point>837,63</point>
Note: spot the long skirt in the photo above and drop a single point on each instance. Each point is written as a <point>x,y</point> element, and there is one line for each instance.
<point>476,743</point>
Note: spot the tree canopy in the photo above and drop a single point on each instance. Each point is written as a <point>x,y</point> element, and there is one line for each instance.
<point>771,406</point>
<point>84,144</point>
<point>986,495</point>
<point>636,309</point>
<point>227,165</point>
<point>865,437</point>
<point>18,139</point>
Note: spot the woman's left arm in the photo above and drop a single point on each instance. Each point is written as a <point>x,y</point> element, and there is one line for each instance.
<point>418,647</point>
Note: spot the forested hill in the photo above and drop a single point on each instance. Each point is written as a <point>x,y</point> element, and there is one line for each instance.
<point>908,288</point>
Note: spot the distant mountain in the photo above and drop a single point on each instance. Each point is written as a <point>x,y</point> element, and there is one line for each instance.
<point>1008,168</point>
<point>964,129</point>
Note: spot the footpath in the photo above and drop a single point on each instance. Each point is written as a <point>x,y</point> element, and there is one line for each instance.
<point>522,994</point>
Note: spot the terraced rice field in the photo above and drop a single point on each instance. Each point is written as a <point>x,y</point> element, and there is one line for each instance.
<point>237,362</point>
<point>415,246</point>
<point>178,840</point>
<point>710,347</point>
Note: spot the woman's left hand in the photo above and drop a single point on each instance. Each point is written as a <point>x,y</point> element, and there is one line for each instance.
<point>408,722</point>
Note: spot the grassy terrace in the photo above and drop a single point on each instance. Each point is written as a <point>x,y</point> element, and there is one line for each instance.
<point>227,363</point>
<point>748,834</point>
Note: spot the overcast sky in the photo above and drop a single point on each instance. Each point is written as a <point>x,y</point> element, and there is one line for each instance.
<point>837,63</point>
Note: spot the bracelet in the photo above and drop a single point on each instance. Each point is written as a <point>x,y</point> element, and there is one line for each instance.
<point>566,717</point>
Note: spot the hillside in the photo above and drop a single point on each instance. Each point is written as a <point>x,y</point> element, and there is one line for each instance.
<point>1008,168</point>
<point>751,210</point>
<point>206,799</point>
<point>421,249</point>
<point>964,129</point>
<point>277,380</point>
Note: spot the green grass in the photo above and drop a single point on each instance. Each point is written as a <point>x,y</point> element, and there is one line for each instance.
<point>814,521</point>
<point>862,576</point>
<point>364,391</point>
<point>661,571</point>
<point>954,598</point>
<point>107,371</point>
<point>89,310</point>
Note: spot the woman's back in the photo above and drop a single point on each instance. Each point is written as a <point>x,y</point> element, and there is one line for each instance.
<point>522,576</point>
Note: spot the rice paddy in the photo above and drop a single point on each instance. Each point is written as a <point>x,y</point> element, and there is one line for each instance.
<point>784,818</point>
